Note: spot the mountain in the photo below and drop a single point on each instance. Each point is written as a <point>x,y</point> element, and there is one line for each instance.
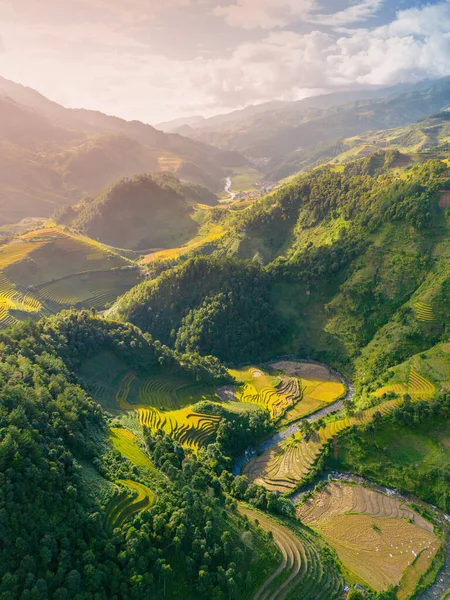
<point>345,249</point>
<point>169,126</point>
<point>141,213</point>
<point>159,450</point>
<point>53,155</point>
<point>285,137</point>
<point>232,118</point>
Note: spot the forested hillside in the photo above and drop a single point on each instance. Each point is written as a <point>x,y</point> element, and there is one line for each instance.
<point>140,213</point>
<point>61,478</point>
<point>338,260</point>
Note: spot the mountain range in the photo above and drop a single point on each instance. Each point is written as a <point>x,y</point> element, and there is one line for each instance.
<point>52,155</point>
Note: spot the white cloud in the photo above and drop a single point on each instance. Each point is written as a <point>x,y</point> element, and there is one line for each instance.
<point>356,13</point>
<point>265,14</point>
<point>104,68</point>
<point>268,14</point>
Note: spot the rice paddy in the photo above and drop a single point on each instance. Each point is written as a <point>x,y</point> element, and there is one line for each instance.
<point>424,312</point>
<point>190,429</point>
<point>92,289</point>
<point>302,571</point>
<point>283,467</point>
<point>416,386</point>
<point>126,443</point>
<point>134,498</point>
<point>159,405</point>
<point>378,538</point>
<point>214,233</point>
<point>290,390</point>
<point>319,387</point>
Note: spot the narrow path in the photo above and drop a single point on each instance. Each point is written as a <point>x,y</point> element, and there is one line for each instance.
<point>292,429</point>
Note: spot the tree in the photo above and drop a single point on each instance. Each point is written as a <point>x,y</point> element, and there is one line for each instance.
<point>355,594</point>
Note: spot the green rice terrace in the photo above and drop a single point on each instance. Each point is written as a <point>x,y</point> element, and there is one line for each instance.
<point>132,499</point>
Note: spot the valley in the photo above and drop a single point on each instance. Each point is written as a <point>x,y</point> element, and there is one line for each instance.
<point>225,352</point>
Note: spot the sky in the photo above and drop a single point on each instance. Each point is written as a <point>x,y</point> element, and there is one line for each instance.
<point>155,60</point>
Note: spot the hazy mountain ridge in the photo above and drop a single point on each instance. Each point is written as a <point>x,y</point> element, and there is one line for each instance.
<point>72,151</point>
<point>287,136</point>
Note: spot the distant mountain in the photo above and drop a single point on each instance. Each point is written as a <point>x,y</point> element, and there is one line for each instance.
<point>52,155</point>
<point>140,213</point>
<point>174,124</point>
<point>287,136</point>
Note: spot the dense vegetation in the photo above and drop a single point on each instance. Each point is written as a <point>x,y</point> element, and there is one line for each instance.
<point>55,540</point>
<point>348,264</point>
<point>407,450</point>
<point>207,305</point>
<point>330,260</point>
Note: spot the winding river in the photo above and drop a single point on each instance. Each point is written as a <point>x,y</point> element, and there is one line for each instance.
<point>227,188</point>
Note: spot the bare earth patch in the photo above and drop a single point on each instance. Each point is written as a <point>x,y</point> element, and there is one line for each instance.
<point>304,370</point>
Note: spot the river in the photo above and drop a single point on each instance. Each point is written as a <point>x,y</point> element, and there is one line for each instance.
<point>228,183</point>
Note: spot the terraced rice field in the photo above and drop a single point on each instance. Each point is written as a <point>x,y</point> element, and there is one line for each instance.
<point>91,289</point>
<point>301,572</point>
<point>283,467</point>
<point>277,394</point>
<point>126,443</point>
<point>424,312</point>
<point>132,500</point>
<point>169,162</point>
<point>164,392</point>
<point>417,387</point>
<point>190,429</point>
<point>12,299</point>
<point>318,385</point>
<point>378,538</point>
<point>60,264</point>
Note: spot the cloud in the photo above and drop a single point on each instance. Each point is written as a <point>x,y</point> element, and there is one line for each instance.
<point>269,14</point>
<point>356,13</point>
<point>105,68</point>
<point>264,14</point>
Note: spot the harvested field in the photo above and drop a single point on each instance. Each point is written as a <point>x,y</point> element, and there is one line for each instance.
<point>340,498</point>
<point>377,552</point>
<point>379,538</point>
